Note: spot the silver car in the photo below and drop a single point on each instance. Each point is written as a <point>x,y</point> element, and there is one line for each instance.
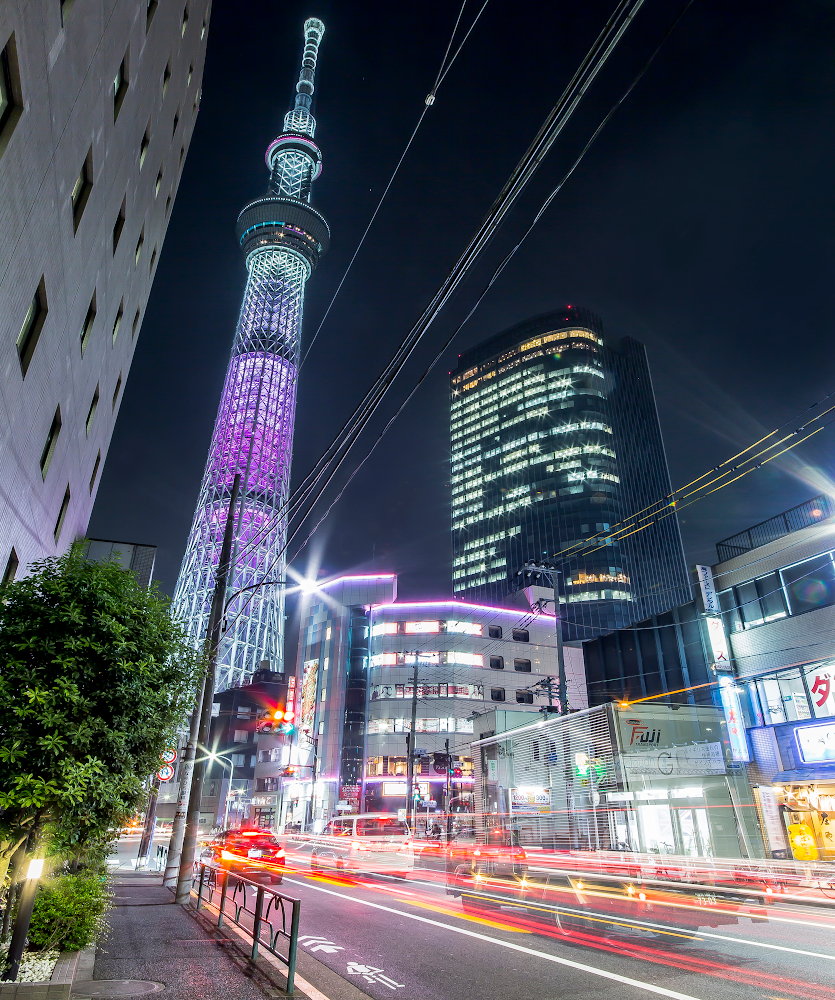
<point>378,843</point>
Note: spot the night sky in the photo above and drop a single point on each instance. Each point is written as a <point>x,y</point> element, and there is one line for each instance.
<point>700,223</point>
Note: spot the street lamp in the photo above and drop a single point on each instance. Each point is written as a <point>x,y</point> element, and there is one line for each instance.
<point>225,760</point>
<point>23,919</point>
<point>536,570</point>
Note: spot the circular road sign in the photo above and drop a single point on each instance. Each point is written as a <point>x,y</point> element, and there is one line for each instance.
<point>165,773</point>
<point>168,756</point>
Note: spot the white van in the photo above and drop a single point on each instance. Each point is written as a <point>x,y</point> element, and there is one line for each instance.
<point>372,842</point>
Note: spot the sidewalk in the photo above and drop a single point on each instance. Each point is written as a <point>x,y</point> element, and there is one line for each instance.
<point>154,941</point>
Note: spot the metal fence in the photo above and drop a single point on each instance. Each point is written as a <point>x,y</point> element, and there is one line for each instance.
<point>234,896</point>
<point>811,512</point>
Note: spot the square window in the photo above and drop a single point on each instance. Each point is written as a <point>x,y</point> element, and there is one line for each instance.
<point>497,663</point>
<point>241,736</point>
<point>30,332</point>
<point>497,694</point>
<point>120,86</point>
<point>810,584</point>
<point>494,631</point>
<point>81,189</point>
<point>96,465</point>
<point>87,326</point>
<point>51,442</point>
<point>521,635</point>
<point>524,697</point>
<point>524,666</point>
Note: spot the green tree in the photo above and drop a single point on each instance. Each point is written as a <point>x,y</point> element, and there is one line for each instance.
<point>95,676</point>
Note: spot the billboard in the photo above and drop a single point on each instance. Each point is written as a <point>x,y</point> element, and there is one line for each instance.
<point>310,682</point>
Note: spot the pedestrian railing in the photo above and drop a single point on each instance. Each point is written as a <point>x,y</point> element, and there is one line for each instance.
<point>241,901</point>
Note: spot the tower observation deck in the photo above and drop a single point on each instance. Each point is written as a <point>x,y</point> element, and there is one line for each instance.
<point>282,238</point>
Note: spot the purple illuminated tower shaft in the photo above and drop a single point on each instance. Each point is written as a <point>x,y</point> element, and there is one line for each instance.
<point>282,238</point>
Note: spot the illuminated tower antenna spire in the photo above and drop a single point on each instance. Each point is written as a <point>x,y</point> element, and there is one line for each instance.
<point>282,238</point>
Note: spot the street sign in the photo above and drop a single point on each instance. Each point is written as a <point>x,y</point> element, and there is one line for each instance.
<point>401,815</point>
<point>168,756</point>
<point>421,753</point>
<point>165,773</point>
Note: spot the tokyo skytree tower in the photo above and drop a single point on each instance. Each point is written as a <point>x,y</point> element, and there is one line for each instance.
<point>282,238</point>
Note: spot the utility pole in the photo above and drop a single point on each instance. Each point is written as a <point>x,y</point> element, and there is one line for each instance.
<point>204,711</point>
<point>150,825</point>
<point>446,795</point>
<point>563,694</point>
<point>537,569</point>
<point>178,827</point>
<point>410,760</point>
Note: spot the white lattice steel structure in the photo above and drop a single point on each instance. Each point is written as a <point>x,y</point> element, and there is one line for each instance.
<point>282,238</point>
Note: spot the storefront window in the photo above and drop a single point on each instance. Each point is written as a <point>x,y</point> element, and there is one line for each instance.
<point>810,584</point>
<point>771,700</point>
<point>793,695</point>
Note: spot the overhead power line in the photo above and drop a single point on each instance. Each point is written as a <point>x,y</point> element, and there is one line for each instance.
<point>335,454</point>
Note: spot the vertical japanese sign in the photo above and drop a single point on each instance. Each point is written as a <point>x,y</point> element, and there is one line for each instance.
<point>718,643</point>
<point>310,679</point>
<point>710,598</point>
<point>732,707</point>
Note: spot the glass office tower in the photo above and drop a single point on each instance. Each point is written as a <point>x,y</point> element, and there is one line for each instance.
<point>555,438</point>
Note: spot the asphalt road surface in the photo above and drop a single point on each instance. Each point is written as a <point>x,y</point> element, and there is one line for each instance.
<point>410,939</point>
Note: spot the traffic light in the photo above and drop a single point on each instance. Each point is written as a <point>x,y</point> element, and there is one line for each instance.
<point>290,772</point>
<point>456,772</point>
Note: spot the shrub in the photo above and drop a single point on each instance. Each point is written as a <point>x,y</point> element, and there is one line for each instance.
<point>70,911</point>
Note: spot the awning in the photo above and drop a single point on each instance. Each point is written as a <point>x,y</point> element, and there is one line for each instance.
<point>805,775</point>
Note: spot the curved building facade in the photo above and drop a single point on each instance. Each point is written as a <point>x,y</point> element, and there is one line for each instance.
<point>554,439</point>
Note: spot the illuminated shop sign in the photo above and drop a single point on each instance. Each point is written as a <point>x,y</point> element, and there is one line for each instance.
<point>394,788</point>
<point>718,643</point>
<point>816,743</point>
<point>729,694</point>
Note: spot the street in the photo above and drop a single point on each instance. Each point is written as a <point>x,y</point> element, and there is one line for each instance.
<point>389,936</point>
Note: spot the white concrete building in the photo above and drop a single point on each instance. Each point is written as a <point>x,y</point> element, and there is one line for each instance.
<point>98,102</point>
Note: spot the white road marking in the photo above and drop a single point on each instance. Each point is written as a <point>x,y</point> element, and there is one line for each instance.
<point>635,922</point>
<point>602,973</point>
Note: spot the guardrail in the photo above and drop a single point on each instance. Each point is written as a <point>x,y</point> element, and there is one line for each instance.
<point>272,922</point>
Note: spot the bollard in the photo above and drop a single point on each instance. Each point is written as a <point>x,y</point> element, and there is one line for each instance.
<point>294,940</point>
<point>200,887</point>
<point>224,884</point>
<point>256,926</point>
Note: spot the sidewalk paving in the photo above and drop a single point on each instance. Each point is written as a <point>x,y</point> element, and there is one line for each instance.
<point>152,940</point>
